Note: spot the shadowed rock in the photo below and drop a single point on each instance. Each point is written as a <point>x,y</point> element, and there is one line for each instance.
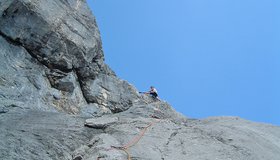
<point>52,49</point>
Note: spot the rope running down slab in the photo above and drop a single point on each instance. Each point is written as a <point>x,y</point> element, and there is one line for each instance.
<point>134,141</point>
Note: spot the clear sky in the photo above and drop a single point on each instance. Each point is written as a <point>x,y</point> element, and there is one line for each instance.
<point>205,57</point>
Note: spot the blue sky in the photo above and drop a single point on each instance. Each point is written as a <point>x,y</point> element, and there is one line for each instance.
<point>205,57</point>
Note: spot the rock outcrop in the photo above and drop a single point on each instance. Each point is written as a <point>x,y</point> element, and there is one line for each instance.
<point>60,101</point>
<point>52,59</point>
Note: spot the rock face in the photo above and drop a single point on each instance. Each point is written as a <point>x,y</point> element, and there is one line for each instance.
<point>52,59</point>
<point>59,100</point>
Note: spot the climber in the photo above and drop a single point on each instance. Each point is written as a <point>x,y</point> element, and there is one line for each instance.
<point>152,92</point>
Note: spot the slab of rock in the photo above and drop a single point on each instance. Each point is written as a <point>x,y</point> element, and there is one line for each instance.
<point>100,123</point>
<point>33,135</point>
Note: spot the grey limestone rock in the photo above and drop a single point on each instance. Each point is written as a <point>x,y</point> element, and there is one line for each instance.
<point>61,34</point>
<point>54,48</point>
<point>41,135</point>
<point>101,122</point>
<point>60,101</point>
<point>214,138</point>
<point>111,92</point>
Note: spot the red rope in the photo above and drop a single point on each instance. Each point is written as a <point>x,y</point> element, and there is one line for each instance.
<point>134,141</point>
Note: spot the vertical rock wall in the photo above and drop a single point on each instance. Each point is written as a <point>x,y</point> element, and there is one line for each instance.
<point>59,46</point>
